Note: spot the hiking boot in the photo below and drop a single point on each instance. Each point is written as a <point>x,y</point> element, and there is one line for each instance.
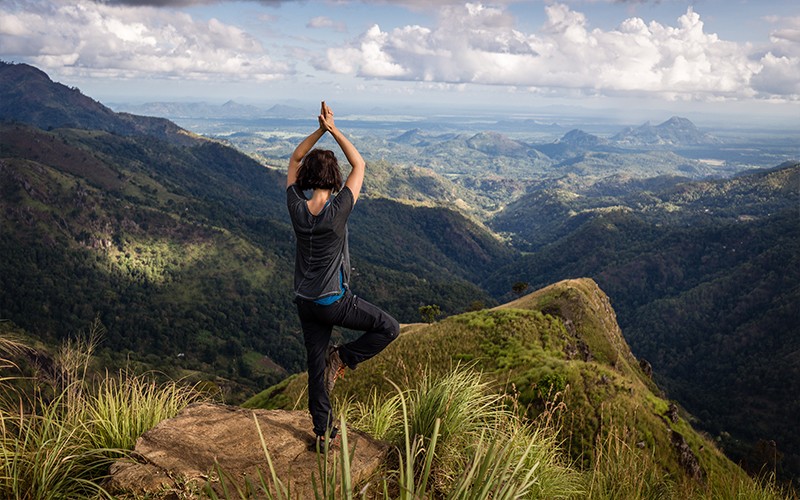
<point>334,368</point>
<point>334,442</point>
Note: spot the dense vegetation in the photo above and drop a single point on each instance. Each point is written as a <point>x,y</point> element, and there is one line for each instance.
<point>186,257</point>
<point>703,289</point>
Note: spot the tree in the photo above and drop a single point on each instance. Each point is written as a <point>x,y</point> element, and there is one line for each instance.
<point>476,306</point>
<point>519,288</point>
<point>429,313</point>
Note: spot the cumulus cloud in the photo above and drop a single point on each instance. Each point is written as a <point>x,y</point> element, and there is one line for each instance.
<point>780,73</point>
<point>85,36</point>
<point>477,44</point>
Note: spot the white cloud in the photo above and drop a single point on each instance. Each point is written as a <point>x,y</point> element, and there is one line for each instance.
<point>94,38</point>
<point>326,22</point>
<point>779,76</point>
<point>477,44</point>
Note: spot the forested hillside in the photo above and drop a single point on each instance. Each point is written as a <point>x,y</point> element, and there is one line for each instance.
<point>705,278</point>
<point>186,256</point>
<point>28,95</point>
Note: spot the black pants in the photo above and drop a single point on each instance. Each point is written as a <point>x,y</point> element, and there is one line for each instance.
<point>318,321</point>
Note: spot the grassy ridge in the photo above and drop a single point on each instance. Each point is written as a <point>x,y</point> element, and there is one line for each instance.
<point>529,350</point>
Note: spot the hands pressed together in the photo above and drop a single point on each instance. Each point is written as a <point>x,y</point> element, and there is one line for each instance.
<point>326,118</point>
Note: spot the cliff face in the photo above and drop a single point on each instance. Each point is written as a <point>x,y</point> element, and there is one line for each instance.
<point>560,344</point>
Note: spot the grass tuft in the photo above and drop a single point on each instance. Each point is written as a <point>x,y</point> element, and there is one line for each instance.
<point>58,439</point>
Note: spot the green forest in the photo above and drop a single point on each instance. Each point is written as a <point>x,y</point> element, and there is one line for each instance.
<point>188,279</point>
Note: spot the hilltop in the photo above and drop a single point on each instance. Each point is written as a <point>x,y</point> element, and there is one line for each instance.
<point>561,342</point>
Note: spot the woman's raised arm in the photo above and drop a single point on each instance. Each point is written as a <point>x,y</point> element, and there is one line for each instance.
<point>356,177</point>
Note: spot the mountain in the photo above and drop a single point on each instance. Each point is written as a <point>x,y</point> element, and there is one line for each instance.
<point>241,110</point>
<point>414,136</point>
<point>545,215</point>
<point>187,250</point>
<point>582,139</point>
<point>703,275</point>
<point>31,97</point>
<point>496,144</point>
<point>562,339</point>
<point>674,132</point>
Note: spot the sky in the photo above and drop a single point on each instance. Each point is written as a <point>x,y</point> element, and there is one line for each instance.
<point>740,55</point>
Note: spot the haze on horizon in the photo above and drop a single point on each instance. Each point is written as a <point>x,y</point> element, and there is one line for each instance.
<point>708,56</point>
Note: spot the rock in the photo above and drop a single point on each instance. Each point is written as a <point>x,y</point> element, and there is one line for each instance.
<point>585,352</point>
<point>646,368</point>
<point>686,459</point>
<point>672,413</point>
<point>181,452</point>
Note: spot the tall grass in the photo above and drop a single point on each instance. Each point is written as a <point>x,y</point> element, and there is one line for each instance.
<point>622,471</point>
<point>376,417</point>
<point>122,408</point>
<point>506,456</point>
<point>9,347</point>
<point>454,440</point>
<point>498,469</point>
<point>58,438</point>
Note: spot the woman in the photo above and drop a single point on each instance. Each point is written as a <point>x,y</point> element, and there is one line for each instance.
<point>322,269</point>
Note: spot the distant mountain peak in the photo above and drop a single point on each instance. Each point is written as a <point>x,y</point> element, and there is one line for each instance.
<point>495,144</point>
<point>676,131</point>
<point>412,136</point>
<point>678,122</point>
<point>284,110</point>
<point>577,137</point>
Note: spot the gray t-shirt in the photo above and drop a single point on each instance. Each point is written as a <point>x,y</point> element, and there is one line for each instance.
<point>322,247</point>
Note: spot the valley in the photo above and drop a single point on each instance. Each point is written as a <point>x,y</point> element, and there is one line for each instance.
<point>179,244</point>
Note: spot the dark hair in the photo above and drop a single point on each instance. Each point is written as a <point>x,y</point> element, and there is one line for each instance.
<point>319,169</point>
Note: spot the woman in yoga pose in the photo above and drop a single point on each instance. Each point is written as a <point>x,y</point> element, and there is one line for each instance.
<point>322,269</point>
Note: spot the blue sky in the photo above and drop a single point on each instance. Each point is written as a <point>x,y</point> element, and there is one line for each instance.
<point>742,56</point>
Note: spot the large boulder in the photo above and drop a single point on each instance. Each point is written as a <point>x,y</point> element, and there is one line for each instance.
<point>181,453</point>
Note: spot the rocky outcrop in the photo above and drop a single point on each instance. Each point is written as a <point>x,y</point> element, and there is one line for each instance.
<point>180,454</point>
<point>647,369</point>
<point>672,413</point>
<point>686,458</point>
